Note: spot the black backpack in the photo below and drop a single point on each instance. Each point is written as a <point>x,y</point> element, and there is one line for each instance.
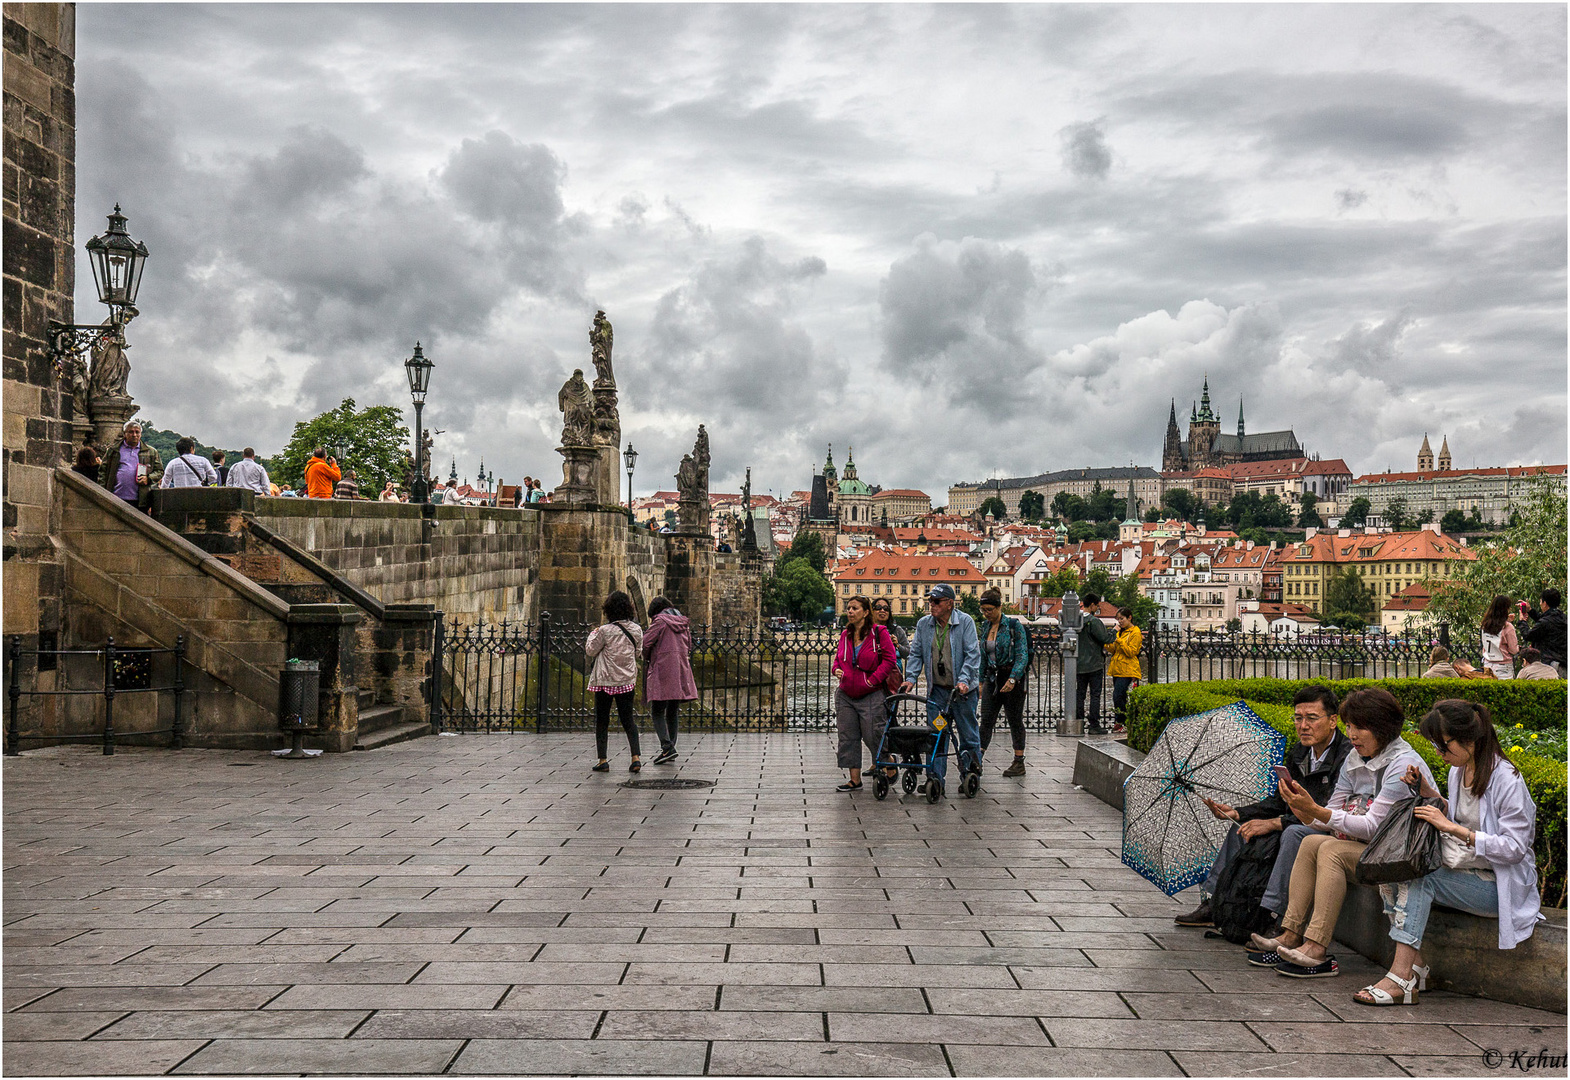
<point>1235,906</point>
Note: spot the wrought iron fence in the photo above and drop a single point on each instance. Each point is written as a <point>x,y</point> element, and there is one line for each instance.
<point>534,676</point>
<point>120,670</point>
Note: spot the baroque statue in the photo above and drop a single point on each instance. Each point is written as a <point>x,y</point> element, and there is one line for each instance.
<point>700,457</point>
<point>577,406</point>
<point>110,369</point>
<point>687,479</point>
<point>601,339</point>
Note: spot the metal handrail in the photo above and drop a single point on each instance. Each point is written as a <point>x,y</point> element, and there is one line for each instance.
<point>13,660</point>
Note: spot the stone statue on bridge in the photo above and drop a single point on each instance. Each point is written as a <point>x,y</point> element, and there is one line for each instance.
<point>577,407</point>
<point>692,486</point>
<point>601,338</point>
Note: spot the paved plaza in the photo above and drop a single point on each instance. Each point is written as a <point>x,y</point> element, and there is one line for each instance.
<point>483,904</point>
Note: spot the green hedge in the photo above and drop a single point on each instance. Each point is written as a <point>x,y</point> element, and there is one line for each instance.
<point>1151,707</point>
<point>1537,705</point>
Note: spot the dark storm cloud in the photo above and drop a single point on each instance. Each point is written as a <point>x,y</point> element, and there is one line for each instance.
<point>1085,152</point>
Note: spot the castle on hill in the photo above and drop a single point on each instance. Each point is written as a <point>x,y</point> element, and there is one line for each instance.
<point>1207,447</point>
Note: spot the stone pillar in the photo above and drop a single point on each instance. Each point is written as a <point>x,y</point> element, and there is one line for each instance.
<point>326,633</point>
<point>579,485</point>
<point>583,559</point>
<point>40,276</point>
<point>109,414</point>
<point>689,569</point>
<point>399,658</point>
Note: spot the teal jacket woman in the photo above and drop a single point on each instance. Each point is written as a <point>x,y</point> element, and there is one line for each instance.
<point>1013,653</point>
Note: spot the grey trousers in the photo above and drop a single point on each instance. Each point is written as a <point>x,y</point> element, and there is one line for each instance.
<point>1280,874</point>
<point>860,720</point>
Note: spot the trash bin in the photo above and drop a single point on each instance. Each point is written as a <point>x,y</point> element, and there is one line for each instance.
<point>298,685</point>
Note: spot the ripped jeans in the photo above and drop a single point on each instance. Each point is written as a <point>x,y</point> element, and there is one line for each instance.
<point>1407,903</point>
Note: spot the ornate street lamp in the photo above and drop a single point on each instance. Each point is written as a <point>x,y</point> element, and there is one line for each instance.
<point>418,369</point>
<point>117,261</point>
<point>630,456</point>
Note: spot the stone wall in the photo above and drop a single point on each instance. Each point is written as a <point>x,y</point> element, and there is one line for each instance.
<point>40,274</point>
<point>476,564</point>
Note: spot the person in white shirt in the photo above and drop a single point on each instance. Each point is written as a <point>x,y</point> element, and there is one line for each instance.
<point>248,473</point>
<point>189,469</point>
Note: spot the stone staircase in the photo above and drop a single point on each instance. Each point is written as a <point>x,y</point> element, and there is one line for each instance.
<point>382,725</point>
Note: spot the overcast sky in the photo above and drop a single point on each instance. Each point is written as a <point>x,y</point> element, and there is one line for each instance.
<point>968,240</point>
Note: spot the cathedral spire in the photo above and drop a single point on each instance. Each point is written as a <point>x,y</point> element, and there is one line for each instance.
<point>1205,412</point>
<point>1425,456</point>
<point>1444,455</point>
<point>1240,416</point>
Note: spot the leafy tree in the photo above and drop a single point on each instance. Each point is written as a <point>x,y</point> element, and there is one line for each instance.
<point>1080,531</point>
<point>1154,514</point>
<point>1456,521</point>
<point>1396,515</point>
<point>1032,506</point>
<point>1356,515</point>
<point>1256,534</point>
<point>1181,502</point>
<point>1104,505</point>
<point>971,606</point>
<point>1097,581</point>
<point>994,506</point>
<point>1426,517</point>
<point>807,545</point>
<point>1235,625</point>
<point>1125,594</point>
<point>1520,563</point>
<point>1348,594</point>
<point>371,441</point>
<point>798,590</point>
<point>1273,513</point>
<point>1308,511</point>
<point>1060,581</point>
<point>1067,506</point>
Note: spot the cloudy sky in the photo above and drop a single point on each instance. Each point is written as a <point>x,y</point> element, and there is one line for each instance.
<point>968,240</point>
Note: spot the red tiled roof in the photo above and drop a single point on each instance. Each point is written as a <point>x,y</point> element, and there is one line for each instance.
<point>1511,471</point>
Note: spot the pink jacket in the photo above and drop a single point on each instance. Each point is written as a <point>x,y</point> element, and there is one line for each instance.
<point>667,649</point>
<point>867,672</point>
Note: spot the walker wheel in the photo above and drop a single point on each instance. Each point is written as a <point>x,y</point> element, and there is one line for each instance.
<point>971,785</point>
<point>934,789</point>
<point>908,780</point>
<point>880,787</point>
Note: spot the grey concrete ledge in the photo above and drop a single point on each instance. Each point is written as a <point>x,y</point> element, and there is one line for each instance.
<point>1102,765</point>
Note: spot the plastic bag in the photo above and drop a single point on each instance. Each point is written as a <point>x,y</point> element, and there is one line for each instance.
<point>1404,847</point>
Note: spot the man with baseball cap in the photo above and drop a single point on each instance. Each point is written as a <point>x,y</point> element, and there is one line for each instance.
<point>948,649</point>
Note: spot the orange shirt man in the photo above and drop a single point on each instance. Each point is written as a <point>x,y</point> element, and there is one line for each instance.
<point>321,475</point>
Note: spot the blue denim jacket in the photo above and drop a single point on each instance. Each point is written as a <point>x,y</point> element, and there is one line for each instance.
<point>964,646</point>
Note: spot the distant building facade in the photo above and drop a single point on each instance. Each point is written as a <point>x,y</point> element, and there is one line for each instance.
<point>1492,493</point>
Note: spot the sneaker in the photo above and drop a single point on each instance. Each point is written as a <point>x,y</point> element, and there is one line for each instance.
<point>1016,769</point>
<point>1322,970</point>
<point>664,756</point>
<point>1200,916</point>
<point>848,786</point>
<point>1264,959</point>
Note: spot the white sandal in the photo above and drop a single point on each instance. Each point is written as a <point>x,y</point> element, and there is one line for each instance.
<point>1382,997</point>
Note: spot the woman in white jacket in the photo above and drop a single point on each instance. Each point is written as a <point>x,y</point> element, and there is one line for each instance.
<point>1486,830</point>
<point>614,646</point>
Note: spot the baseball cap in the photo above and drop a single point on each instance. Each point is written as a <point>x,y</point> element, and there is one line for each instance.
<point>941,592</point>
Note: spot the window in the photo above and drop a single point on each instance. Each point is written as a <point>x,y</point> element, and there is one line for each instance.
<point>903,606</point>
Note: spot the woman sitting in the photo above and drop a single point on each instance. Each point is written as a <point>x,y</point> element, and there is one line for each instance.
<point>1371,781</point>
<point>1490,868</point>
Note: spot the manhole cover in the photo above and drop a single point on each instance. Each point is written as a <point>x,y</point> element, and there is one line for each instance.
<point>671,783</point>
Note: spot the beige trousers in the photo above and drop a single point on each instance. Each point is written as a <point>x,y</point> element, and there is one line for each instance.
<point>1324,868</point>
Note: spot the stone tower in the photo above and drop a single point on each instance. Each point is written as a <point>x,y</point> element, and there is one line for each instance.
<point>1425,456</point>
<point>831,479</point>
<point>1444,455</point>
<point>1172,446</point>
<point>1202,433</point>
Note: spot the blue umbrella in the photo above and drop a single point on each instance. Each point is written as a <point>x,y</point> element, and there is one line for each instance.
<point>1227,754</point>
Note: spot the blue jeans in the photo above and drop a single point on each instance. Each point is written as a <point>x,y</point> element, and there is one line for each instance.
<point>961,715</point>
<point>1275,898</point>
<point>1407,903</point>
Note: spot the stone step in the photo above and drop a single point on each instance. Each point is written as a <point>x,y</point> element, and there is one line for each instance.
<point>374,718</point>
<point>366,697</point>
<point>389,735</point>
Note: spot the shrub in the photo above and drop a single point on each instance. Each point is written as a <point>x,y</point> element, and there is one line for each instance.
<point>1151,707</point>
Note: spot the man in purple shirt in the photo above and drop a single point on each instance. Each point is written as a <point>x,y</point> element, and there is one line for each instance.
<point>121,462</point>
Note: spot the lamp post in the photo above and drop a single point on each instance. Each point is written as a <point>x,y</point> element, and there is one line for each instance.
<point>630,456</point>
<point>418,369</point>
<point>117,262</point>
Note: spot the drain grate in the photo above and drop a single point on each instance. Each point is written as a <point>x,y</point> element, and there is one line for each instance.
<point>669,783</point>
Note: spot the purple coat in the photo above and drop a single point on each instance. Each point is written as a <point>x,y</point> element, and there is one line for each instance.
<point>667,649</point>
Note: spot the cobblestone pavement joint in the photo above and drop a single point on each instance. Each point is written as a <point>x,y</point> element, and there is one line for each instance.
<point>485,905</point>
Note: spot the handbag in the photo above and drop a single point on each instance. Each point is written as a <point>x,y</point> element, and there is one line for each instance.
<point>1404,847</point>
<point>896,676</point>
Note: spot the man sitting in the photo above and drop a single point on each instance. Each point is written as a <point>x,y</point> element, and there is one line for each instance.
<point>1533,666</point>
<point>1315,763</point>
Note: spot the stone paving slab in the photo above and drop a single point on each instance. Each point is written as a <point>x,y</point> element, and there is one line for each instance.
<point>484,905</point>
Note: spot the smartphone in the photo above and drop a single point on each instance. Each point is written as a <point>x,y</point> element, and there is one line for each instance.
<point>1281,772</point>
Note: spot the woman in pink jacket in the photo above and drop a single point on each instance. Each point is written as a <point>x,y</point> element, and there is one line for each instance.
<point>667,655</point>
<point>863,662</point>
<point>614,646</point>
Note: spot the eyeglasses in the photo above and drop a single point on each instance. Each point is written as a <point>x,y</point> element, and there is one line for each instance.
<point>881,607</point>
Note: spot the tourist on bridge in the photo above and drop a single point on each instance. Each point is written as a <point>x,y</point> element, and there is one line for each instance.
<point>321,475</point>
<point>219,457</point>
<point>1500,644</point>
<point>132,468</point>
<point>1124,667</point>
<point>1485,830</point>
<point>1534,667</point>
<point>248,473</point>
<point>1439,665</point>
<point>1090,664</point>
<point>667,680</point>
<point>614,646</point>
<point>949,652</point>
<point>1547,632</point>
<point>89,464</point>
<point>863,661</point>
<point>1005,654</point>
<point>189,469</point>
<point>883,615</point>
<point>348,487</point>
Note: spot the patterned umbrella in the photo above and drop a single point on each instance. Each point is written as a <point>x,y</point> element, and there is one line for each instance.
<point>1169,835</point>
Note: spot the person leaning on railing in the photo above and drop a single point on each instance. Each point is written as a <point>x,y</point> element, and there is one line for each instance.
<point>1486,833</point>
<point>1372,780</point>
